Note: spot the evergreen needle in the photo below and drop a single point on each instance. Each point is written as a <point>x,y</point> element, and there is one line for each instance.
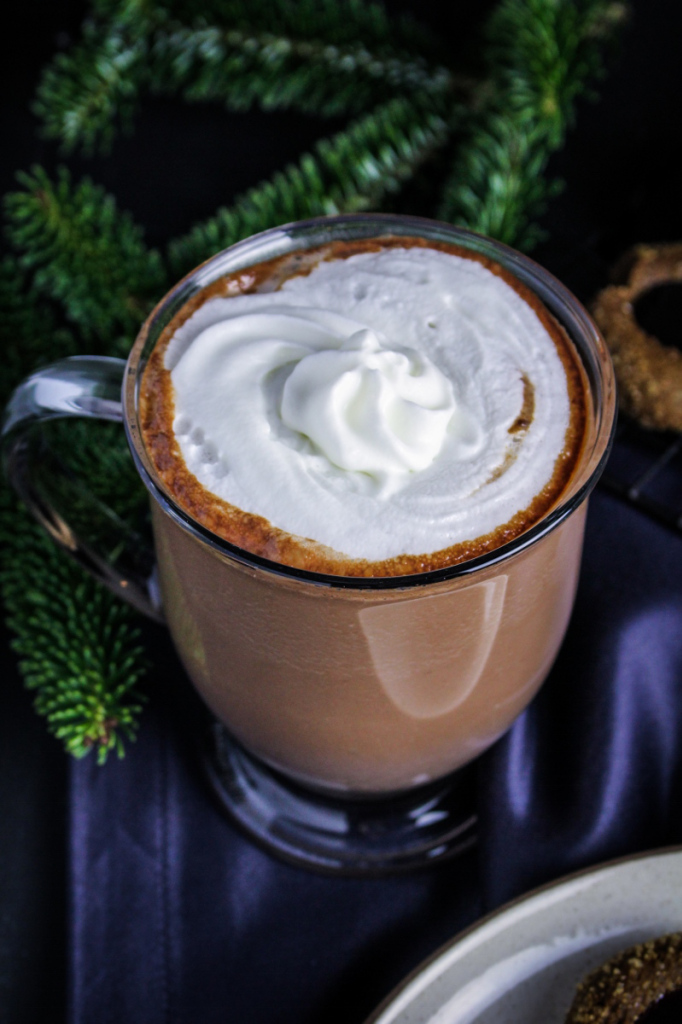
<point>542,56</point>
<point>85,95</point>
<point>329,57</point>
<point>243,68</point>
<point>84,254</point>
<point>78,646</point>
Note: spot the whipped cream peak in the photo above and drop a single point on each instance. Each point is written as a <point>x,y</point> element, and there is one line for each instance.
<point>370,408</point>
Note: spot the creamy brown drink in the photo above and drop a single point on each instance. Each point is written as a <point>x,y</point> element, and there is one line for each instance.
<point>384,680</point>
<point>367,409</point>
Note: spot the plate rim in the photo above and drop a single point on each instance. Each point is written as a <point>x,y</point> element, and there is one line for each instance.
<point>525,897</point>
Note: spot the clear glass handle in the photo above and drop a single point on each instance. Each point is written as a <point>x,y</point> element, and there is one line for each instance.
<point>90,387</point>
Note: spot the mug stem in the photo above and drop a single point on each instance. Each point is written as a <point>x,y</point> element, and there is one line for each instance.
<point>86,387</point>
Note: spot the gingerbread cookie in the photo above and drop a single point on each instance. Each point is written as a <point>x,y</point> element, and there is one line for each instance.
<point>649,374</point>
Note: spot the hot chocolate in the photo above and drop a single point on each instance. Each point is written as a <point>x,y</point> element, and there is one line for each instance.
<point>338,409</point>
<point>367,409</point>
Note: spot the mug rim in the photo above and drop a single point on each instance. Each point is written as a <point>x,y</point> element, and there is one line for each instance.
<point>279,240</point>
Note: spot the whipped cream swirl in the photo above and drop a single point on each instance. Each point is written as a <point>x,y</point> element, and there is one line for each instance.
<point>370,404</point>
<point>370,408</point>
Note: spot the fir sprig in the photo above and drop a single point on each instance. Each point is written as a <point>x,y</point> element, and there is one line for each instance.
<point>88,95</point>
<point>244,68</point>
<point>330,57</point>
<point>542,56</point>
<point>78,646</point>
<point>84,254</point>
<point>29,328</point>
<point>337,22</point>
<point>353,171</point>
<point>97,452</point>
<point>497,186</point>
<point>546,55</point>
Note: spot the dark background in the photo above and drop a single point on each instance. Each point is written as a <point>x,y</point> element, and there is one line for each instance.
<point>622,187</point>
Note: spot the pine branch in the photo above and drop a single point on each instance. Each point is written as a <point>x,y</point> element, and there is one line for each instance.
<point>498,187</point>
<point>243,68</point>
<point>85,255</point>
<point>97,453</point>
<point>130,12</point>
<point>337,22</point>
<point>543,55</point>
<point>315,58</point>
<point>78,646</point>
<point>29,331</point>
<point>546,54</point>
<point>87,95</point>
<point>353,171</point>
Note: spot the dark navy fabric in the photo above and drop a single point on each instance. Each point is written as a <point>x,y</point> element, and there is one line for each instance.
<point>176,917</point>
<point>593,768</point>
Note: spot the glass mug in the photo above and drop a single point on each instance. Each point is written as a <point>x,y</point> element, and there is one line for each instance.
<point>345,708</point>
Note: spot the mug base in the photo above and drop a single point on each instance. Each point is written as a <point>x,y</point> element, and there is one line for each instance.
<point>341,835</point>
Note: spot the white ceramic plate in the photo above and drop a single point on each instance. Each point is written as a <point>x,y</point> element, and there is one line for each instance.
<point>521,964</point>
